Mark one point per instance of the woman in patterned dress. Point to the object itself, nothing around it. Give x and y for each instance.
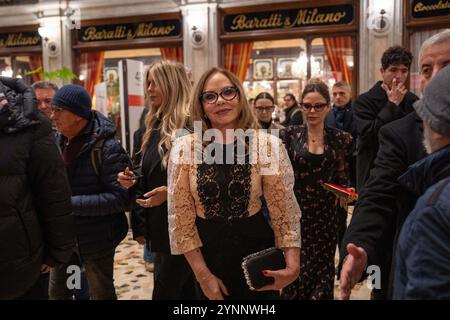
(318, 155)
(215, 214)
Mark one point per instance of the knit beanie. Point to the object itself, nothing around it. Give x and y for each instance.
(73, 98)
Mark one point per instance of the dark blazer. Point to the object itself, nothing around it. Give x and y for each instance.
(36, 221)
(293, 116)
(152, 223)
(373, 110)
(349, 123)
(383, 204)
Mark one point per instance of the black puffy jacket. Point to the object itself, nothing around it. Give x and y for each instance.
(36, 221)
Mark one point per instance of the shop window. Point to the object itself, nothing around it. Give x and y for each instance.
(20, 67)
(416, 40)
(278, 67)
(103, 66)
(284, 66)
(332, 59)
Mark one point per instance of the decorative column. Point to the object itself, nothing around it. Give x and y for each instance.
(380, 27)
(200, 41)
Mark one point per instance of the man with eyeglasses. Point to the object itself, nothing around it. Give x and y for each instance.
(98, 200)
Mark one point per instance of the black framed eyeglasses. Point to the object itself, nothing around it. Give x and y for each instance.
(56, 109)
(317, 107)
(264, 109)
(227, 93)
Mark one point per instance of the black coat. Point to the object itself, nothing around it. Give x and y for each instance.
(293, 116)
(383, 204)
(372, 110)
(152, 223)
(349, 122)
(36, 221)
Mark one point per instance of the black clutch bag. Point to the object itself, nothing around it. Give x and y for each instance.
(254, 264)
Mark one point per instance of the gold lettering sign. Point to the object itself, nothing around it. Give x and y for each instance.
(441, 5)
(127, 32)
(19, 40)
(292, 18)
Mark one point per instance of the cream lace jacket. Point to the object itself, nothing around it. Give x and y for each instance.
(192, 185)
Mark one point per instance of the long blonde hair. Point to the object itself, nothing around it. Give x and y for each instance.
(247, 118)
(173, 82)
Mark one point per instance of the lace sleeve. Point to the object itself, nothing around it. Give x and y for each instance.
(181, 206)
(278, 190)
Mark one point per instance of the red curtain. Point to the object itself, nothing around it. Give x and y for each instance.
(172, 53)
(337, 48)
(92, 68)
(237, 57)
(35, 62)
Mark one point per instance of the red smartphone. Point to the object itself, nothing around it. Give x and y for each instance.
(341, 191)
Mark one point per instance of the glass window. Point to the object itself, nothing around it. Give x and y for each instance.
(22, 67)
(284, 66)
(332, 59)
(278, 67)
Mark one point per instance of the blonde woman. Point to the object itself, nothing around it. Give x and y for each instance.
(168, 93)
(215, 214)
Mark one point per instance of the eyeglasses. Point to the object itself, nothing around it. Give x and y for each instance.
(264, 109)
(227, 94)
(56, 109)
(317, 107)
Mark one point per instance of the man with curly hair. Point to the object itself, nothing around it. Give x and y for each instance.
(386, 101)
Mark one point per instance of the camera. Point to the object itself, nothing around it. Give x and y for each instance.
(53, 48)
(198, 37)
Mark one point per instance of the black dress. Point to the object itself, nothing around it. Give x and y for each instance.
(217, 207)
(320, 209)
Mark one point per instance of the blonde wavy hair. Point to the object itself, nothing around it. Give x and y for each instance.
(247, 118)
(175, 87)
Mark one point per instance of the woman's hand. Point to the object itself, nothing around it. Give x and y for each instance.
(282, 278)
(154, 198)
(126, 178)
(285, 276)
(212, 287)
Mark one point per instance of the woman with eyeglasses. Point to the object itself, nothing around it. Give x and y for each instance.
(215, 217)
(264, 106)
(168, 92)
(318, 155)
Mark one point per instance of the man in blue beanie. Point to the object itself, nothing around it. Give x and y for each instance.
(93, 158)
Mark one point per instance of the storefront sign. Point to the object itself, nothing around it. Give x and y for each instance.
(20, 39)
(289, 19)
(143, 30)
(430, 8)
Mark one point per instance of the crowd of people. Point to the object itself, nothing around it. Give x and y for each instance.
(215, 178)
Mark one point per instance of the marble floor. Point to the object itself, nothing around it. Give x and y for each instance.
(131, 279)
(134, 282)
